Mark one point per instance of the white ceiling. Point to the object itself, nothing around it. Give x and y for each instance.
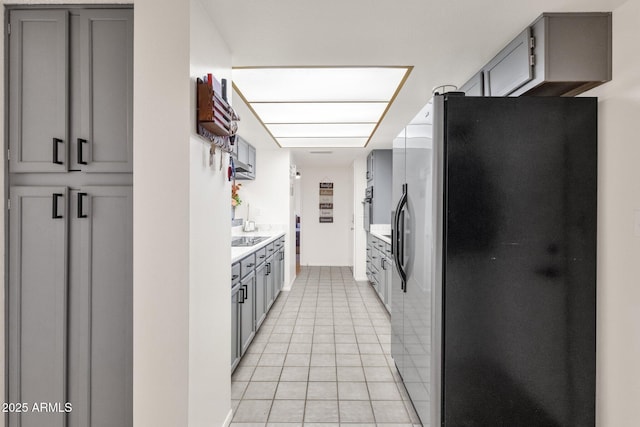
(446, 41)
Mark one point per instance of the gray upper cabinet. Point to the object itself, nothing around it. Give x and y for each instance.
(245, 155)
(78, 114)
(511, 68)
(573, 53)
(101, 297)
(37, 301)
(38, 90)
(559, 54)
(106, 74)
(475, 85)
(379, 173)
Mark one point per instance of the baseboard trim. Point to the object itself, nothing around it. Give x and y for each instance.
(227, 421)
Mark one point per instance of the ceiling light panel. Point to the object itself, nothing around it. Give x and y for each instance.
(322, 142)
(334, 130)
(318, 84)
(324, 112)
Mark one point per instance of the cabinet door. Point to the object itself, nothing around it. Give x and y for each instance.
(235, 320)
(247, 321)
(261, 294)
(251, 161)
(475, 85)
(281, 281)
(101, 307)
(269, 283)
(38, 87)
(243, 150)
(37, 296)
(511, 68)
(106, 72)
(370, 167)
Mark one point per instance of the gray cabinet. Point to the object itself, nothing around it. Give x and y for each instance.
(78, 114)
(38, 285)
(511, 68)
(256, 281)
(70, 250)
(70, 301)
(38, 90)
(245, 156)
(269, 283)
(280, 255)
(247, 310)
(475, 85)
(559, 54)
(101, 306)
(261, 294)
(379, 174)
(235, 322)
(379, 268)
(105, 140)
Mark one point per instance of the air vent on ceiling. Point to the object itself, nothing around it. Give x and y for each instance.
(320, 152)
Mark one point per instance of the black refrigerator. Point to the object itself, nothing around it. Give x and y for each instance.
(493, 310)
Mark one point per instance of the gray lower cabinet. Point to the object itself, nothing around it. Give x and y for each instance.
(38, 286)
(83, 103)
(261, 294)
(256, 282)
(247, 311)
(379, 265)
(235, 322)
(269, 282)
(70, 303)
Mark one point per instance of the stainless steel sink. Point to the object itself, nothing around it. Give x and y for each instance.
(247, 240)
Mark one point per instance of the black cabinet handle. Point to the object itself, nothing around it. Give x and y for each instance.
(56, 141)
(268, 268)
(246, 293)
(234, 277)
(80, 142)
(54, 205)
(80, 209)
(241, 292)
(250, 265)
(262, 256)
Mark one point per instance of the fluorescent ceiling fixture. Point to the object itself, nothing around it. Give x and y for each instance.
(320, 112)
(321, 142)
(318, 84)
(321, 130)
(315, 103)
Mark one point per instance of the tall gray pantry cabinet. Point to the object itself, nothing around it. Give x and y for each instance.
(70, 221)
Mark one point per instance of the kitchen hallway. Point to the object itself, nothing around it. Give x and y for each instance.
(322, 356)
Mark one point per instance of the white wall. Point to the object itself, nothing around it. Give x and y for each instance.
(210, 242)
(270, 200)
(618, 248)
(326, 244)
(359, 168)
(162, 122)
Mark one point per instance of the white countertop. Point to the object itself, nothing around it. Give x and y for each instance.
(382, 237)
(240, 252)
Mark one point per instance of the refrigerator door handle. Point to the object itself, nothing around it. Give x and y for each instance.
(398, 241)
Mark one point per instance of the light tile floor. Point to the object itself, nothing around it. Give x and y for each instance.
(322, 357)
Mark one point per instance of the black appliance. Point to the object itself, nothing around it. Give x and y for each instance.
(494, 238)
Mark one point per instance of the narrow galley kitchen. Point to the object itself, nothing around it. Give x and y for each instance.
(322, 356)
